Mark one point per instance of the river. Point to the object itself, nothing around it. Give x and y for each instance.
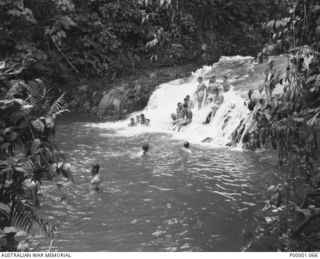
(170, 200)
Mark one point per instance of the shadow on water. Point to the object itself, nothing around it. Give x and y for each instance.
(168, 201)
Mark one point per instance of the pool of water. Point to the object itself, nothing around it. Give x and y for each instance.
(168, 201)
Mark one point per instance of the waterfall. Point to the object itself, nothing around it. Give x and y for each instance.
(243, 74)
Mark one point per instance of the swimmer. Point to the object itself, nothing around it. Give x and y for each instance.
(142, 119)
(186, 147)
(144, 151)
(132, 123)
(95, 178)
(147, 122)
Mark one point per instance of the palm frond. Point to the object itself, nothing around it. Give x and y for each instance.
(24, 218)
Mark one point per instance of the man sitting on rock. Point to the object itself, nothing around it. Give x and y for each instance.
(187, 118)
(217, 100)
(178, 116)
(212, 88)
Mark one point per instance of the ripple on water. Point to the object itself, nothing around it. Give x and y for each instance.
(170, 201)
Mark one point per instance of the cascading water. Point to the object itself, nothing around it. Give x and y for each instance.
(243, 74)
(170, 200)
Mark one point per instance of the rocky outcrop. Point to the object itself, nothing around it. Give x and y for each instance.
(114, 101)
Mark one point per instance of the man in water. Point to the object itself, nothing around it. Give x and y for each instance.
(201, 91)
(226, 85)
(145, 149)
(132, 123)
(95, 178)
(147, 122)
(137, 119)
(142, 119)
(186, 147)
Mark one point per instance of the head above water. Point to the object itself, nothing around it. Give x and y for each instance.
(179, 105)
(95, 169)
(145, 147)
(186, 144)
(188, 97)
(132, 119)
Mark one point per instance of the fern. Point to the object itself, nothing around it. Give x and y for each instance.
(58, 107)
(24, 218)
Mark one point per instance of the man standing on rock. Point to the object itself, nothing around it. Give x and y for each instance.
(201, 91)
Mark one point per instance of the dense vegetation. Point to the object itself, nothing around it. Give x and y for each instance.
(61, 41)
(289, 124)
(113, 37)
(27, 155)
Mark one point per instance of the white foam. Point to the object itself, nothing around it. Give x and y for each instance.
(164, 100)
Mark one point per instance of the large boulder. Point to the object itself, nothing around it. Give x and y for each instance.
(123, 100)
(112, 104)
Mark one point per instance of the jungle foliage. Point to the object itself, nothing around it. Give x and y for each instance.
(72, 38)
(289, 124)
(27, 154)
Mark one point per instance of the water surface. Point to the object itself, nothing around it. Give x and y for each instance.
(168, 201)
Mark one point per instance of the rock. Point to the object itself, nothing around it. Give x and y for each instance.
(112, 104)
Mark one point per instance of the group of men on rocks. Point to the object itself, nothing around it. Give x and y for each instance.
(204, 95)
